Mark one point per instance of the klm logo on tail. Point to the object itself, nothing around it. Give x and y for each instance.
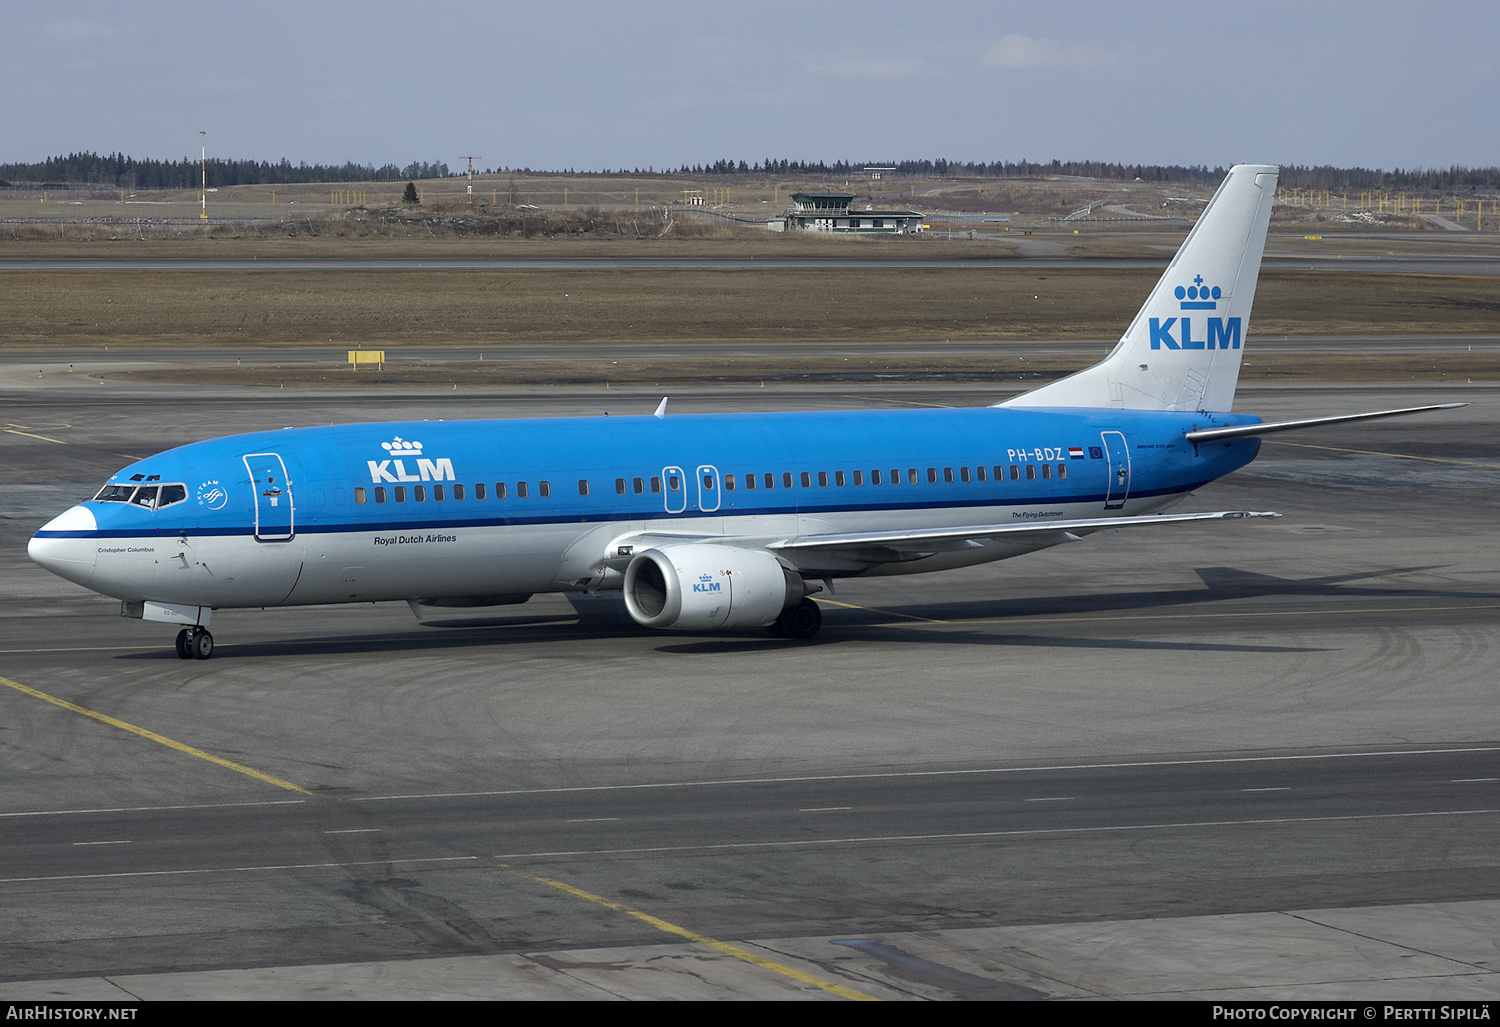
(1222, 332)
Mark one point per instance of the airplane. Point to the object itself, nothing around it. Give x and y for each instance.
(706, 522)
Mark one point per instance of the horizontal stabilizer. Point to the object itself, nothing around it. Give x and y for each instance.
(923, 537)
(1268, 427)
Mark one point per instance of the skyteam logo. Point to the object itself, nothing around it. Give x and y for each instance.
(705, 583)
(212, 495)
(1222, 332)
(402, 450)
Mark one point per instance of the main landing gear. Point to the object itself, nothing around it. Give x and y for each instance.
(800, 622)
(195, 644)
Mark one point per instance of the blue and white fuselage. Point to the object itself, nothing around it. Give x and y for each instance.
(704, 521)
(514, 507)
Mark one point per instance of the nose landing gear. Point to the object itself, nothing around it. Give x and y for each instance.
(195, 644)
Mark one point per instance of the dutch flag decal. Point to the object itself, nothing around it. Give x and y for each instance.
(1075, 452)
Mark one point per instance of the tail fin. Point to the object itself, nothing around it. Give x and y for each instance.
(1182, 351)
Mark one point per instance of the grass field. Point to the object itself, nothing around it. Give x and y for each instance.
(78, 310)
(74, 312)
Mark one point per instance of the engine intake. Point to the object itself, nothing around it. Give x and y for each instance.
(700, 586)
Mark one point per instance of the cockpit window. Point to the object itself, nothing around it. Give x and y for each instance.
(152, 497)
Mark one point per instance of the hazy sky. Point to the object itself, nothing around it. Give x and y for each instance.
(594, 84)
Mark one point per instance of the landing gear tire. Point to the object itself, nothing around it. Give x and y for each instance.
(801, 621)
(202, 644)
(184, 642)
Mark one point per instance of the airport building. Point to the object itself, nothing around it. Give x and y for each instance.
(832, 212)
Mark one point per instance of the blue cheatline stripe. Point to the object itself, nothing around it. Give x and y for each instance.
(313, 527)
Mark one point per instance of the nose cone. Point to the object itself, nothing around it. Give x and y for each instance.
(67, 545)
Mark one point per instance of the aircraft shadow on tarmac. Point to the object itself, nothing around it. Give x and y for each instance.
(861, 624)
(1220, 584)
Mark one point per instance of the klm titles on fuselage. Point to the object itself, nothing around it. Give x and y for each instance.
(440, 469)
(1220, 332)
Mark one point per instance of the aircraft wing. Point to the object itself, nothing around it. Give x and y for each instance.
(966, 536)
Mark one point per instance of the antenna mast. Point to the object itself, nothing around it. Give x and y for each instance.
(203, 188)
(472, 158)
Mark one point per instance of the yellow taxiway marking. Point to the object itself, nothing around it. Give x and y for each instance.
(1376, 452)
(694, 936)
(153, 736)
(29, 435)
(888, 613)
(1170, 616)
(901, 402)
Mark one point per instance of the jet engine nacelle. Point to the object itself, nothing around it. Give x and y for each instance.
(701, 586)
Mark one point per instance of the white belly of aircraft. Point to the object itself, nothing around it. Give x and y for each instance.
(365, 566)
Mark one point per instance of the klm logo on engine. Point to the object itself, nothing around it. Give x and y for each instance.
(401, 451)
(1219, 332)
(705, 583)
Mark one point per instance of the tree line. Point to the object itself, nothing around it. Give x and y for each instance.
(124, 172)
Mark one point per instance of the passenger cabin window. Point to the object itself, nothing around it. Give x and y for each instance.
(786, 479)
(620, 486)
(749, 480)
(822, 479)
(838, 478)
(359, 495)
(1062, 470)
(1031, 472)
(544, 488)
(521, 490)
(458, 492)
(439, 494)
(963, 474)
(1047, 471)
(911, 475)
(1015, 473)
(638, 486)
(583, 486)
(419, 493)
(728, 483)
(500, 490)
(874, 477)
(806, 480)
(380, 493)
(948, 475)
(400, 491)
(479, 490)
(655, 485)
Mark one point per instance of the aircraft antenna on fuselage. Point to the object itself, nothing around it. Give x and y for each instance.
(661, 408)
(1182, 351)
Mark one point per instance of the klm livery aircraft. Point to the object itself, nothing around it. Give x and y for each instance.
(706, 522)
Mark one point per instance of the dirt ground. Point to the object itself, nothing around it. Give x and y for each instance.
(78, 310)
(1299, 367)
